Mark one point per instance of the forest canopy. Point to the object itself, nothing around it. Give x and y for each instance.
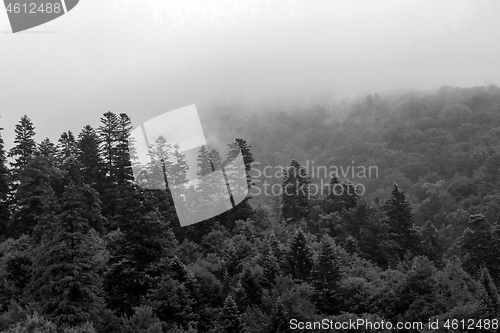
(84, 248)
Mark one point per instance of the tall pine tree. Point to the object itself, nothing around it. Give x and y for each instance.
(4, 191)
(47, 149)
(405, 235)
(295, 193)
(108, 132)
(299, 259)
(67, 147)
(35, 197)
(326, 276)
(479, 246)
(24, 148)
(88, 156)
(68, 263)
(123, 163)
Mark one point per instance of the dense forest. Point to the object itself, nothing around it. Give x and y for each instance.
(85, 249)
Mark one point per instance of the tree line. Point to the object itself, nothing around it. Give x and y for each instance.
(85, 248)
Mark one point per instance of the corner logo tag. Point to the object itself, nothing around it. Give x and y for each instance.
(26, 14)
(167, 151)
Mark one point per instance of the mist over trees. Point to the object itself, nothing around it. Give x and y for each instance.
(85, 248)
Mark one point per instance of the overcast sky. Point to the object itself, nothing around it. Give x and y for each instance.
(148, 57)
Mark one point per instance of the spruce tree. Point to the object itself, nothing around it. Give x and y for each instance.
(479, 246)
(341, 196)
(242, 158)
(211, 185)
(326, 275)
(160, 153)
(491, 299)
(136, 255)
(296, 193)
(419, 291)
(47, 149)
(88, 156)
(299, 258)
(230, 317)
(270, 267)
(15, 271)
(177, 270)
(108, 132)
(178, 170)
(204, 165)
(67, 265)
(24, 148)
(235, 148)
(431, 246)
(398, 211)
(113, 135)
(123, 162)
(143, 321)
(251, 286)
(35, 197)
(279, 318)
(4, 191)
(66, 147)
(210, 197)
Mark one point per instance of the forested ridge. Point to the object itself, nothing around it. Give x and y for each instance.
(83, 248)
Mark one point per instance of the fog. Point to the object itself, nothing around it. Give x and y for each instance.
(145, 58)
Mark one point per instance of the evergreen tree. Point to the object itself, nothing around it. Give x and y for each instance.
(398, 211)
(279, 319)
(271, 269)
(210, 198)
(136, 256)
(230, 317)
(491, 299)
(116, 169)
(211, 186)
(67, 147)
(88, 156)
(4, 191)
(204, 162)
(108, 133)
(299, 258)
(35, 197)
(67, 265)
(239, 168)
(178, 170)
(326, 275)
(235, 148)
(295, 189)
(24, 148)
(251, 286)
(15, 271)
(178, 270)
(160, 153)
(90, 199)
(479, 246)
(123, 162)
(172, 302)
(47, 149)
(143, 321)
(430, 243)
(341, 196)
(418, 296)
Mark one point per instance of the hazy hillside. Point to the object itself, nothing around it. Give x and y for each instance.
(85, 249)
